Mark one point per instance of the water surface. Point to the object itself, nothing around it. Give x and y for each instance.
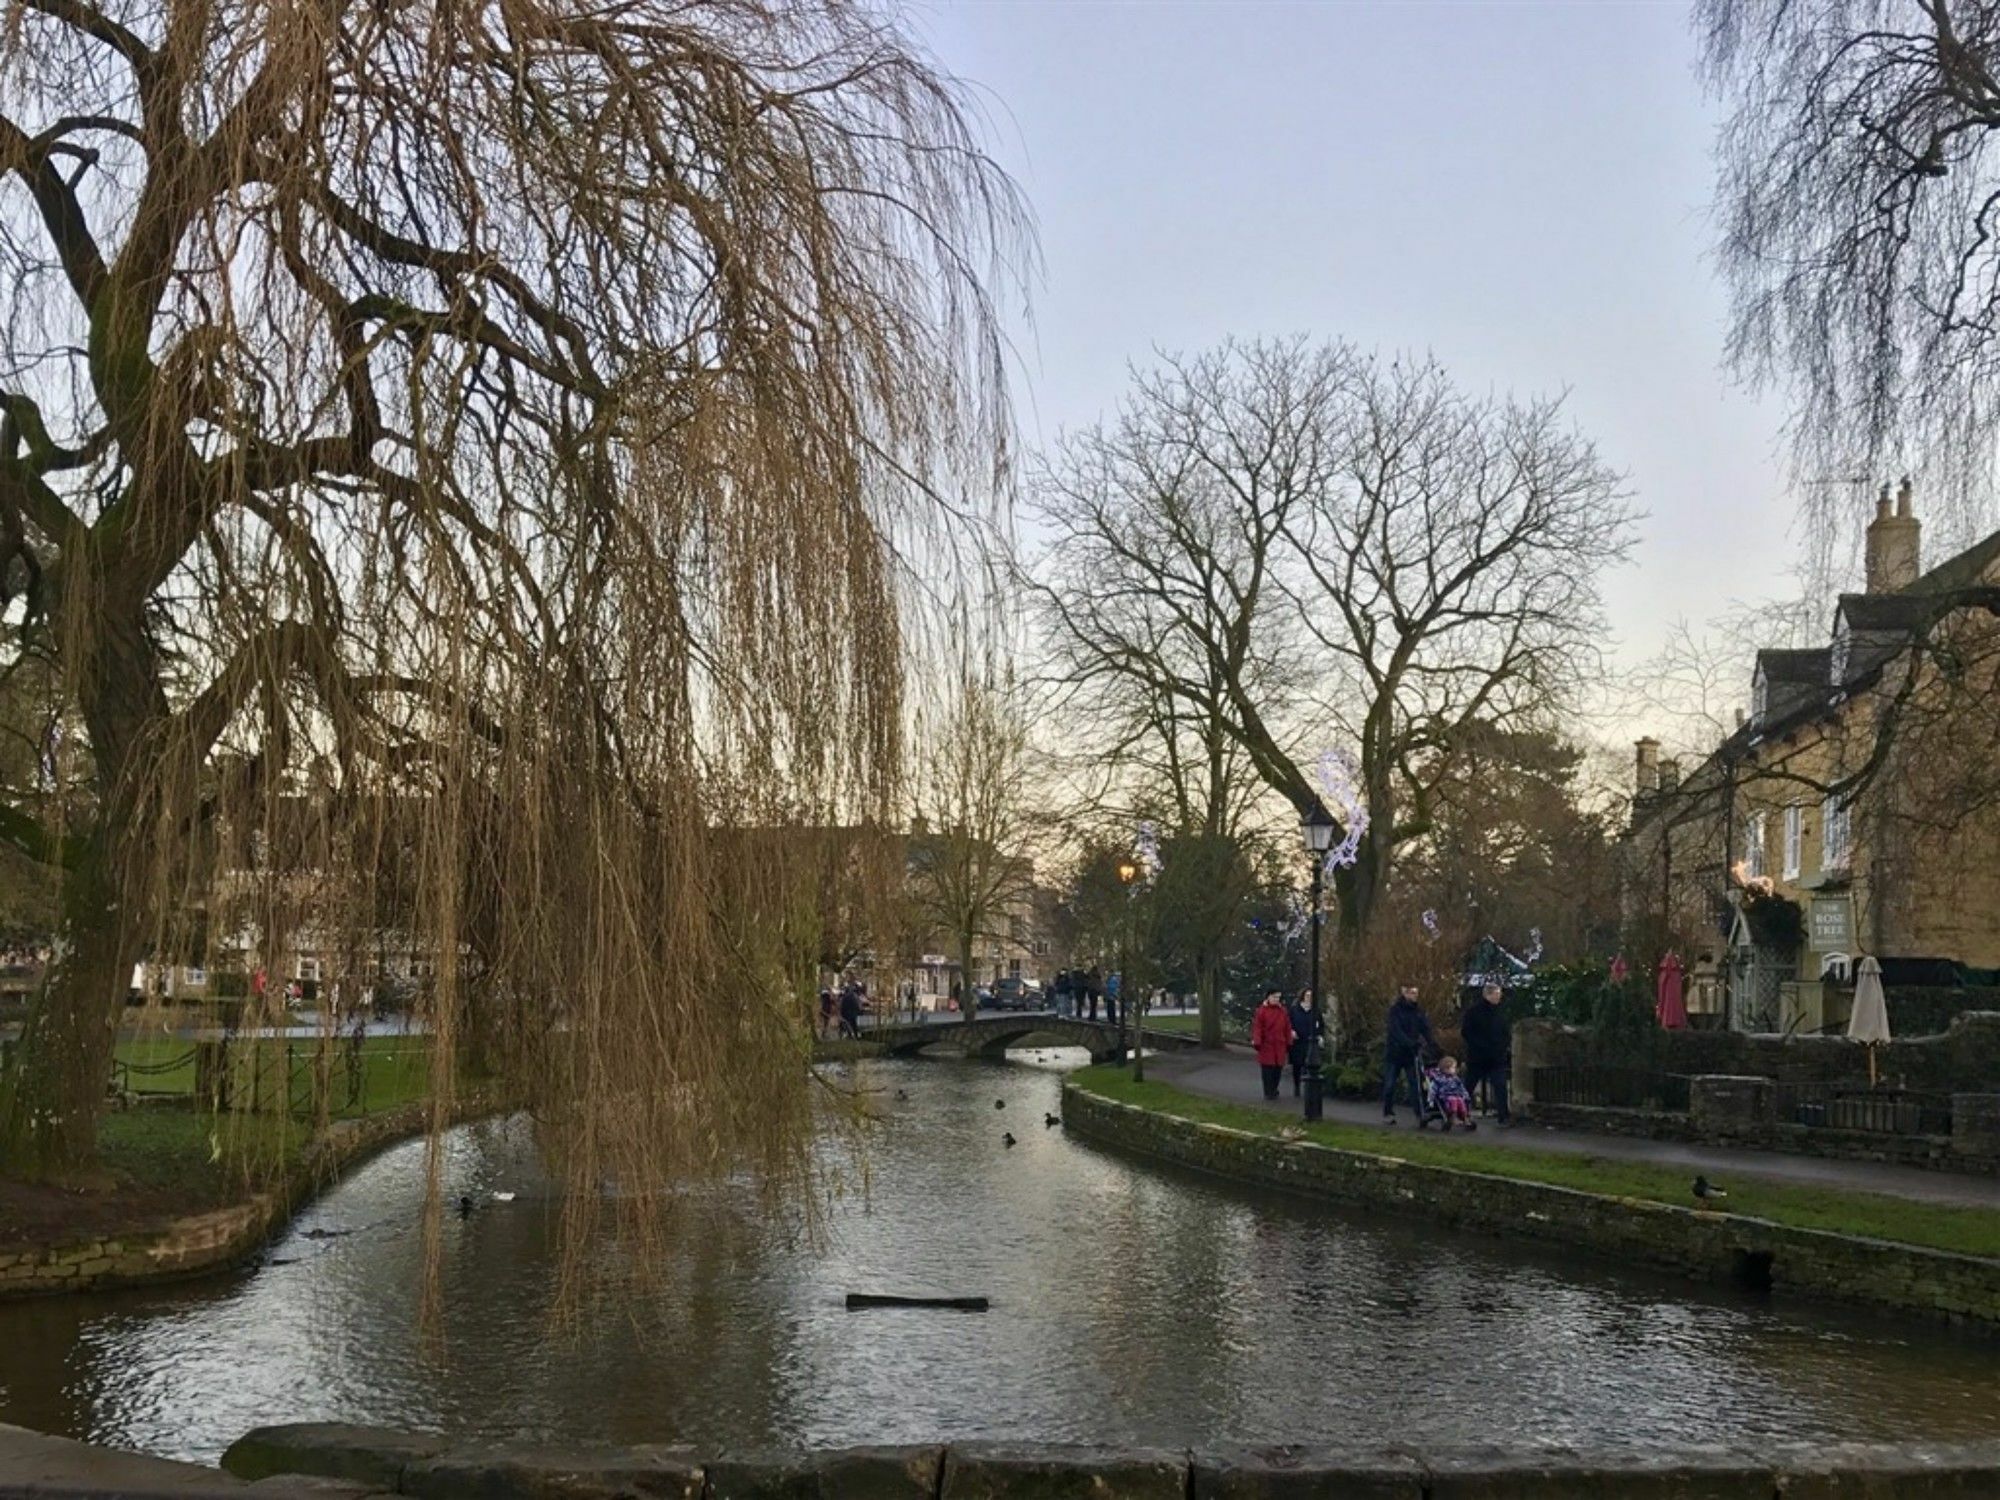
(1130, 1305)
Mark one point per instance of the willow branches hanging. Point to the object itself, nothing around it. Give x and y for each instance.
(449, 461)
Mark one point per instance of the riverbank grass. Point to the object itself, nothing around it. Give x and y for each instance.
(163, 1158)
(1965, 1231)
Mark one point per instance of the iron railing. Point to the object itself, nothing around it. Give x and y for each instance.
(1612, 1088)
(1849, 1106)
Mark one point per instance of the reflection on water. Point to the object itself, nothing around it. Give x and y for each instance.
(1130, 1305)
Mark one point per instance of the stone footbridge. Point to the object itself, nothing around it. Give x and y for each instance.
(991, 1033)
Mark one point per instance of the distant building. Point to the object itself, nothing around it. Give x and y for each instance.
(1773, 882)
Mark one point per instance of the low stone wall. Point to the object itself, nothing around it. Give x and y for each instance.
(364, 1460)
(329, 1461)
(1698, 1242)
(1935, 1152)
(210, 1241)
(1646, 1124)
(1963, 1059)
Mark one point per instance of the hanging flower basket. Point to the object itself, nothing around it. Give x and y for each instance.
(1774, 921)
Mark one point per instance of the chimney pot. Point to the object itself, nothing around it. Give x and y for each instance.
(1670, 775)
(1895, 543)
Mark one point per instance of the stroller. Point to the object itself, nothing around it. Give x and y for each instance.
(1445, 1097)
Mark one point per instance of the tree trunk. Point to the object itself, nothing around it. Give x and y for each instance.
(1208, 988)
(52, 1094)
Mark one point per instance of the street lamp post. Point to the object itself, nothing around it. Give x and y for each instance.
(1128, 872)
(1319, 828)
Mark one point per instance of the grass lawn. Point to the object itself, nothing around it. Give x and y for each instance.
(395, 1070)
(166, 1159)
(1190, 1025)
(1968, 1231)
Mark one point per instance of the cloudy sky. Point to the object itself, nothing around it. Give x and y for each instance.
(1520, 188)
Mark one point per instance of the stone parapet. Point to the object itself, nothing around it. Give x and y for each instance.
(1042, 1471)
(332, 1462)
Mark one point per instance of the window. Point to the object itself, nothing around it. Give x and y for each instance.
(1760, 694)
(1837, 656)
(1836, 835)
(308, 970)
(1795, 840)
(1753, 846)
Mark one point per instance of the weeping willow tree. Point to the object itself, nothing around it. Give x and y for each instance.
(461, 461)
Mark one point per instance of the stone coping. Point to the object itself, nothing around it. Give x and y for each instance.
(338, 1460)
(1711, 1246)
(212, 1240)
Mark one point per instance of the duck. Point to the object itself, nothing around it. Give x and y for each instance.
(1007, 1139)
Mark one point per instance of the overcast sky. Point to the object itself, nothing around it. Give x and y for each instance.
(1520, 188)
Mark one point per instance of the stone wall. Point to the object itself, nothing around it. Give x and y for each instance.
(369, 1461)
(218, 1238)
(1698, 1242)
(1731, 1099)
(1963, 1059)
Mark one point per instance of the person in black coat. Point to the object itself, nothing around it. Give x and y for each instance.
(1307, 1033)
(1489, 1048)
(1405, 1036)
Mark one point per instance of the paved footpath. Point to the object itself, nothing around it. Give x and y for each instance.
(1232, 1075)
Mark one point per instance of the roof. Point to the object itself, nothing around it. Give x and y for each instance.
(1869, 614)
(1807, 667)
(1967, 569)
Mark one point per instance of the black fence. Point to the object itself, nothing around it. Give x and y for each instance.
(1849, 1106)
(1612, 1088)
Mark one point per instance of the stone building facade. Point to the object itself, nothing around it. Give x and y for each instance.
(1854, 810)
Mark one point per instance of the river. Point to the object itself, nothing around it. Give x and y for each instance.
(1130, 1305)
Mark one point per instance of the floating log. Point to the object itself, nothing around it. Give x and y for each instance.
(856, 1300)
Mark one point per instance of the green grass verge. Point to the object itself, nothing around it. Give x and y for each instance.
(395, 1070)
(1191, 1025)
(1968, 1231)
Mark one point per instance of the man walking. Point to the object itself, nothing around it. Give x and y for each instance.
(1406, 1034)
(1489, 1048)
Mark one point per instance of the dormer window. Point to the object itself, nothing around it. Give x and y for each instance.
(1760, 695)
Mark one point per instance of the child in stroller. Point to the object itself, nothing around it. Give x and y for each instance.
(1445, 1094)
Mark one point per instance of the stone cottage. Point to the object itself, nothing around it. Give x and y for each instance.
(1855, 808)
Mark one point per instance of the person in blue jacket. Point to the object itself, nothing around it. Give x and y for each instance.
(1406, 1035)
(1307, 1033)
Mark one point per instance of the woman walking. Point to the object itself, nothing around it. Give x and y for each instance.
(1307, 1033)
(1271, 1036)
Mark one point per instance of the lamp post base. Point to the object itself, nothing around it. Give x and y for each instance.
(1315, 1091)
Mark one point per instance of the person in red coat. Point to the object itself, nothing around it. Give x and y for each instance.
(1271, 1036)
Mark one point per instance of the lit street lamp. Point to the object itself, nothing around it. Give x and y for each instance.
(1319, 830)
(1128, 872)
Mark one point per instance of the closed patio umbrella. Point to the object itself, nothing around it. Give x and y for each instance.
(1671, 1006)
(1869, 1023)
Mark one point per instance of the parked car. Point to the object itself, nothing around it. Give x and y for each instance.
(1013, 993)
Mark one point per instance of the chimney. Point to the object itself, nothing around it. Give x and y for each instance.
(1670, 776)
(1895, 542)
(1646, 765)
(1741, 718)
